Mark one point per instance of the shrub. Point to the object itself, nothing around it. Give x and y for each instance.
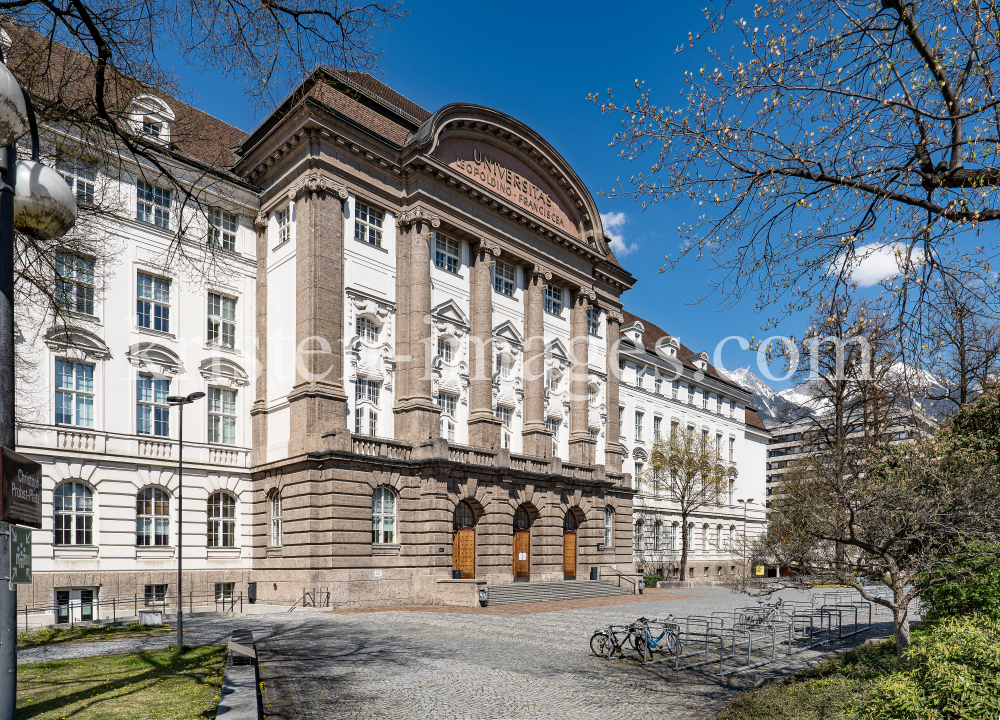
(951, 671)
(977, 593)
(651, 580)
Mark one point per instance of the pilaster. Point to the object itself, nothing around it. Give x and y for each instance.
(612, 449)
(258, 413)
(317, 401)
(484, 427)
(537, 439)
(581, 445)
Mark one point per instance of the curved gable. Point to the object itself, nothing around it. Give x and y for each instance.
(69, 338)
(153, 356)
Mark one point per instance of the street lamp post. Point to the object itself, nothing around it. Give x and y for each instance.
(744, 503)
(35, 200)
(180, 401)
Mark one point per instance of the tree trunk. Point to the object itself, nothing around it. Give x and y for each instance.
(684, 549)
(901, 621)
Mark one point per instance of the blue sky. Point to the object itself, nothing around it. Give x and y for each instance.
(538, 62)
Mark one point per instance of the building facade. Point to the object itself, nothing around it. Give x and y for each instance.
(667, 388)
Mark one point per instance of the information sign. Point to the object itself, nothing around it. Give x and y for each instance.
(760, 571)
(20, 555)
(22, 490)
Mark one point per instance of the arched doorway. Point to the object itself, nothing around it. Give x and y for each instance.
(522, 544)
(570, 525)
(463, 548)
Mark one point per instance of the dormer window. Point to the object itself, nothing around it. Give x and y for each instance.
(151, 117)
(151, 127)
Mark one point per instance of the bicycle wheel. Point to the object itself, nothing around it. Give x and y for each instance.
(600, 644)
(669, 645)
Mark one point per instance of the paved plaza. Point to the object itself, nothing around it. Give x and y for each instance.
(509, 662)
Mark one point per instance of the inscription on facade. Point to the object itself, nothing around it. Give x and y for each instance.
(505, 175)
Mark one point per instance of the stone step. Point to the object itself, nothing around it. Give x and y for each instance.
(529, 592)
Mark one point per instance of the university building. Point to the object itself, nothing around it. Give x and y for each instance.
(409, 341)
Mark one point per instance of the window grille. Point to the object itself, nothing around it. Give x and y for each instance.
(445, 350)
(609, 523)
(284, 218)
(504, 414)
(505, 365)
(81, 176)
(367, 330)
(638, 426)
(276, 529)
(447, 403)
(593, 322)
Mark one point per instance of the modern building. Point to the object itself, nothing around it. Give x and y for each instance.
(667, 388)
(409, 342)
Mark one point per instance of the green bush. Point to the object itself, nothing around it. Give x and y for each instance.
(651, 580)
(950, 672)
(977, 593)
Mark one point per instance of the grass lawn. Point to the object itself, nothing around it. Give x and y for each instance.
(833, 690)
(155, 685)
(34, 638)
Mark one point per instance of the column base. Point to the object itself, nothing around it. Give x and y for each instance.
(485, 431)
(314, 409)
(537, 442)
(417, 420)
(613, 458)
(582, 450)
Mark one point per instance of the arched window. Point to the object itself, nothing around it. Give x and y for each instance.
(73, 505)
(657, 531)
(704, 538)
(522, 521)
(152, 517)
(221, 520)
(718, 538)
(276, 519)
(367, 330)
(732, 536)
(673, 537)
(383, 516)
(690, 537)
(569, 522)
(637, 536)
(505, 366)
(464, 516)
(552, 381)
(609, 527)
(732, 488)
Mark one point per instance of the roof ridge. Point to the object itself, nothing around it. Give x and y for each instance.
(342, 75)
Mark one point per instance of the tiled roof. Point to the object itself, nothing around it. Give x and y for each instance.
(380, 124)
(753, 419)
(651, 333)
(61, 81)
(385, 93)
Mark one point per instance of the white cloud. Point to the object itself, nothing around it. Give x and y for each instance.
(613, 222)
(876, 262)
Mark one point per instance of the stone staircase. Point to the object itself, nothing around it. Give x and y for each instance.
(531, 592)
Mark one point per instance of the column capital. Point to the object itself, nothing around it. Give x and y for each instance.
(417, 215)
(260, 222)
(314, 182)
(586, 292)
(488, 246)
(614, 314)
(537, 269)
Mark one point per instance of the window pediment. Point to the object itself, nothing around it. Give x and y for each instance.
(83, 341)
(220, 370)
(154, 357)
(450, 312)
(506, 331)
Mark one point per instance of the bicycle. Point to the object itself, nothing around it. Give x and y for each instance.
(646, 643)
(764, 615)
(609, 642)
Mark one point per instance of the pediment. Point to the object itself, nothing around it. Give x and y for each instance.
(507, 331)
(450, 311)
(153, 356)
(221, 369)
(555, 349)
(84, 341)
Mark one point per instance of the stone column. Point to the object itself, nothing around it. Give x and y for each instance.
(417, 417)
(537, 438)
(581, 445)
(318, 403)
(484, 427)
(612, 450)
(258, 413)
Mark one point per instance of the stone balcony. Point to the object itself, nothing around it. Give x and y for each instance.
(342, 441)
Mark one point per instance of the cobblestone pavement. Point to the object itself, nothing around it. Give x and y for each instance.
(405, 664)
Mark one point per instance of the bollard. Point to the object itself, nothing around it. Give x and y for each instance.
(456, 574)
(593, 573)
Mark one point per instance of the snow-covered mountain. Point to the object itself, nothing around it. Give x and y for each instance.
(770, 404)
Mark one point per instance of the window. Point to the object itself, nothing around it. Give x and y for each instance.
(152, 517)
(718, 446)
(221, 520)
(638, 476)
(594, 432)
(276, 519)
(673, 391)
(447, 254)
(80, 175)
(637, 536)
(718, 540)
(151, 127)
(639, 373)
(704, 538)
(154, 595)
(732, 449)
(552, 425)
(73, 506)
(638, 426)
(673, 537)
(221, 416)
(152, 302)
(366, 418)
(621, 422)
(718, 404)
(284, 219)
(657, 531)
(657, 422)
(221, 320)
(552, 381)
(152, 415)
(674, 427)
(505, 365)
(367, 330)
(75, 283)
(658, 384)
(222, 227)
(383, 516)
(224, 592)
(504, 278)
(592, 395)
(74, 393)
(704, 400)
(152, 205)
(447, 403)
(445, 350)
(368, 224)
(732, 408)
(690, 394)
(553, 299)
(503, 413)
(609, 527)
(593, 322)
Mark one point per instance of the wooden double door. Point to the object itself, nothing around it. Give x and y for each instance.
(569, 556)
(463, 552)
(522, 555)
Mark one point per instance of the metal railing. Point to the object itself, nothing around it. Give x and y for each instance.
(603, 570)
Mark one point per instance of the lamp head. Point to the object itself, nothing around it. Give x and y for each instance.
(184, 400)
